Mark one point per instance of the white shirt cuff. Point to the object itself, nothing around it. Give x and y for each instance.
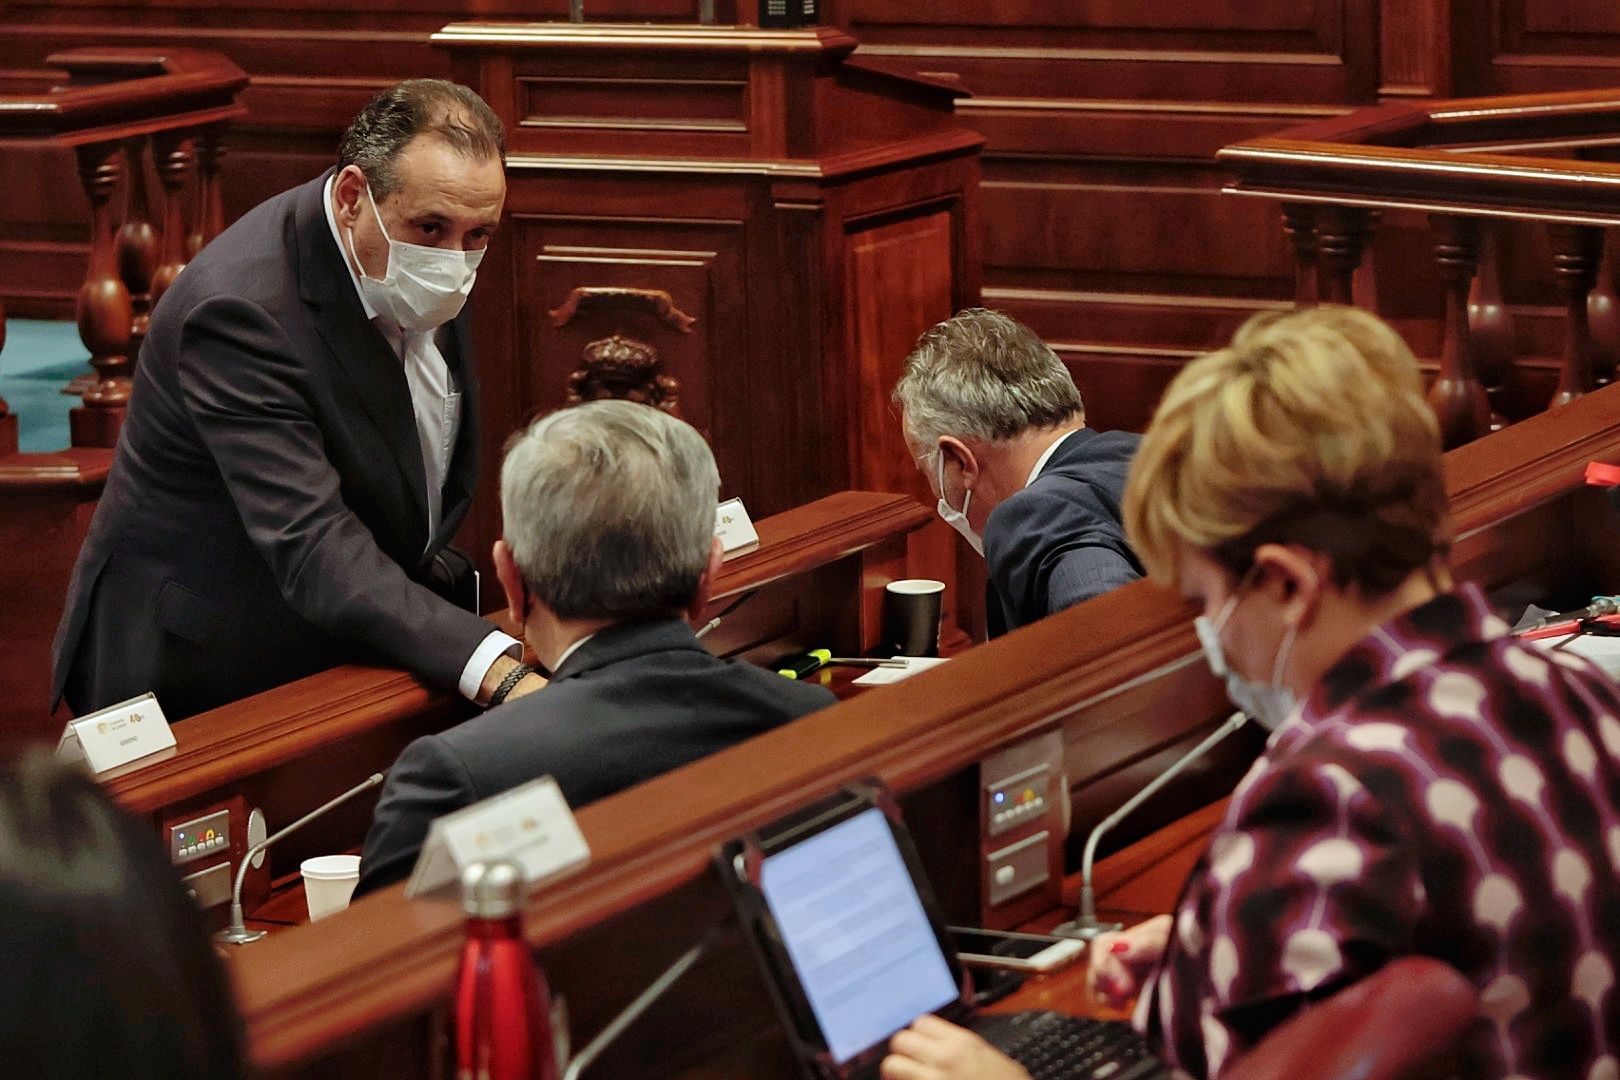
(498, 644)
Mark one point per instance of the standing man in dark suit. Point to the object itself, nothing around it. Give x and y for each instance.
(993, 419)
(301, 442)
(608, 556)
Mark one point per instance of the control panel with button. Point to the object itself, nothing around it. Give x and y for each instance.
(1016, 800)
(200, 837)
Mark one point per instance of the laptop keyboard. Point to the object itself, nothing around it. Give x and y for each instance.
(1054, 1046)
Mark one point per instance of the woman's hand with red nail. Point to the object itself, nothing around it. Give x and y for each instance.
(1120, 961)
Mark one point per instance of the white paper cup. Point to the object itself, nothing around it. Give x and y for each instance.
(328, 883)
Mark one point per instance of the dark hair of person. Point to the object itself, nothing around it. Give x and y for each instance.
(443, 110)
(106, 967)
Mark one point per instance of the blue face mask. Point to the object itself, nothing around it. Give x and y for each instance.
(1267, 704)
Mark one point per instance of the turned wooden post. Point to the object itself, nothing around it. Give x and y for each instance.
(1603, 318)
(8, 420)
(1577, 250)
(1299, 222)
(1491, 336)
(209, 219)
(104, 310)
(174, 160)
(137, 245)
(1458, 397)
(1342, 233)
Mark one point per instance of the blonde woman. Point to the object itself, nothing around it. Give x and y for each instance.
(1433, 787)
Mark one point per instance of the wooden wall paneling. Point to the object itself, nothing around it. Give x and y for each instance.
(40, 530)
(897, 284)
(701, 267)
(1100, 197)
(1415, 48)
(1542, 45)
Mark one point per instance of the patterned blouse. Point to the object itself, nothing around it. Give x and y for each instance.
(1446, 791)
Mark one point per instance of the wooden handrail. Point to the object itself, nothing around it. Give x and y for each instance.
(120, 93)
(109, 106)
(1464, 162)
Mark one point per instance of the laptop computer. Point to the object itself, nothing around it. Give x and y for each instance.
(854, 948)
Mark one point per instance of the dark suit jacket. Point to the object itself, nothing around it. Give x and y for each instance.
(636, 700)
(266, 513)
(1060, 541)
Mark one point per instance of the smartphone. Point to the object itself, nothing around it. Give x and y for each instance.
(1015, 952)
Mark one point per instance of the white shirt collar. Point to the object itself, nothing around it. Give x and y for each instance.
(566, 653)
(343, 248)
(1040, 462)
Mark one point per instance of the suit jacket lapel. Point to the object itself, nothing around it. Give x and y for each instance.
(357, 345)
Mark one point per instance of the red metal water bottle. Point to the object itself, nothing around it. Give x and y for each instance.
(503, 1021)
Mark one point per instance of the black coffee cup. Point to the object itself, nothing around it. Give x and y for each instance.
(911, 610)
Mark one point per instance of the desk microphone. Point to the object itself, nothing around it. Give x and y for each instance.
(1085, 925)
(238, 933)
(703, 630)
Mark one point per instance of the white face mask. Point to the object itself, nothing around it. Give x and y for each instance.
(423, 287)
(1267, 704)
(957, 519)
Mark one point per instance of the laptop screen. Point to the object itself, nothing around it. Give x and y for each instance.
(855, 929)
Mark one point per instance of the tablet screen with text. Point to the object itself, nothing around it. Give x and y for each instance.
(860, 942)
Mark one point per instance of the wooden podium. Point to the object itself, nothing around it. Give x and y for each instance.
(746, 226)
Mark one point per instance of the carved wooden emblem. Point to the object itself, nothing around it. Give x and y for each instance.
(626, 369)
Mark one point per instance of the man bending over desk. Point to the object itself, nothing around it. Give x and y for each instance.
(609, 551)
(994, 420)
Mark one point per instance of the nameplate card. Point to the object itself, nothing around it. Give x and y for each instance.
(530, 825)
(733, 526)
(117, 735)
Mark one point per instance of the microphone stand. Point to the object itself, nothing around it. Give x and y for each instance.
(238, 933)
(1085, 925)
(643, 1001)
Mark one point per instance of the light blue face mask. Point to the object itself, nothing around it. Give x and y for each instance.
(1267, 704)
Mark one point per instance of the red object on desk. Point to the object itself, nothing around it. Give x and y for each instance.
(1600, 475)
(1568, 627)
(503, 1013)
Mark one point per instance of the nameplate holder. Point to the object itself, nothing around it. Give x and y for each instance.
(117, 735)
(531, 825)
(734, 527)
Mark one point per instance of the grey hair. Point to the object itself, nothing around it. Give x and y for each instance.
(610, 510)
(444, 110)
(983, 375)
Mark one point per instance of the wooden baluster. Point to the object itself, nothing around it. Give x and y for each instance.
(8, 420)
(1458, 396)
(1603, 318)
(1342, 233)
(174, 161)
(137, 245)
(1577, 251)
(210, 209)
(1490, 324)
(104, 309)
(1299, 222)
